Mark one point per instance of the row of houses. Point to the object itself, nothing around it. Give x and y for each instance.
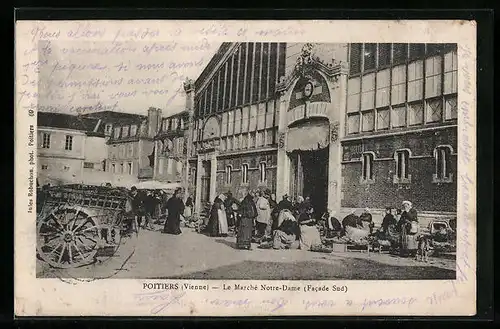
(108, 147)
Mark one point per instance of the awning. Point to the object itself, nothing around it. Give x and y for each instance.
(308, 136)
(156, 185)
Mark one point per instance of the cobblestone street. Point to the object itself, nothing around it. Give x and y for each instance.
(195, 256)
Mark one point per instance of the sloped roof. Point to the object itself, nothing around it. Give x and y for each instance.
(91, 126)
(116, 117)
(216, 58)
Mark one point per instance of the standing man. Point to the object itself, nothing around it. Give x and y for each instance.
(175, 207)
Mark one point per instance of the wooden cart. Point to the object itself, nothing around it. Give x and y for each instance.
(78, 223)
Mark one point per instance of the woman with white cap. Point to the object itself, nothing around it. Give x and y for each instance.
(409, 229)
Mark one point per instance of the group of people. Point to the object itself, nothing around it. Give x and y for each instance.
(155, 204)
(259, 218)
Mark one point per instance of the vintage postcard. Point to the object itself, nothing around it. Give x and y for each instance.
(239, 168)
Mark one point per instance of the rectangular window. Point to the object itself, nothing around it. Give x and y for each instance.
(415, 81)
(270, 136)
(220, 89)
(244, 174)
(353, 124)
(401, 158)
(450, 72)
(261, 116)
(368, 118)
(45, 141)
(398, 117)
(229, 170)
(417, 51)
(236, 142)
(369, 56)
(230, 123)
(108, 129)
(270, 114)
(234, 80)
(68, 145)
(262, 172)
(193, 176)
(415, 113)
(273, 68)
(368, 91)
(353, 94)
(130, 168)
(383, 119)
(251, 140)
(355, 58)
(383, 88)
(434, 49)
(249, 68)
(223, 144)
(125, 131)
(227, 92)
(117, 133)
(122, 168)
(433, 76)
(442, 155)
(256, 68)
(398, 85)
(399, 53)
(434, 109)
(88, 165)
(265, 67)
(253, 118)
(130, 150)
(244, 120)
(450, 108)
(133, 130)
(237, 121)
(241, 75)
(244, 141)
(230, 144)
(260, 139)
(384, 54)
(224, 124)
(367, 167)
(113, 168)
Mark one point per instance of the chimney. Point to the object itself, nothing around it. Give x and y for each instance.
(189, 89)
(153, 120)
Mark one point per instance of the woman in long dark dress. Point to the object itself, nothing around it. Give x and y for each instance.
(217, 217)
(245, 225)
(175, 207)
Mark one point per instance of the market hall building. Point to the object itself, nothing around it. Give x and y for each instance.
(350, 125)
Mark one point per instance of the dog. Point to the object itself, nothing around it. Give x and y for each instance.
(423, 248)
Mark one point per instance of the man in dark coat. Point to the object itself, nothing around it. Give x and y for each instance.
(245, 226)
(228, 205)
(175, 207)
(388, 220)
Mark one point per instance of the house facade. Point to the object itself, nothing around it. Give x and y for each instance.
(62, 143)
(130, 144)
(350, 125)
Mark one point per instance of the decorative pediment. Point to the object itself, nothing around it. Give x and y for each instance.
(307, 63)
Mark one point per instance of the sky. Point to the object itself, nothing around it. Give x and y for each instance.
(83, 76)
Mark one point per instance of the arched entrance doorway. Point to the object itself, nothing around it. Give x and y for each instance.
(308, 153)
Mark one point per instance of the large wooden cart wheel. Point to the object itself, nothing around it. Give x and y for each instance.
(68, 237)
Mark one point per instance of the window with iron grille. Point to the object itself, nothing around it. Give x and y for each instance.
(434, 109)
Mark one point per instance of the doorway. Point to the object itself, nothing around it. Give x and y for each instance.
(310, 177)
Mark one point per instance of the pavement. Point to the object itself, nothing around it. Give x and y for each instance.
(154, 255)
